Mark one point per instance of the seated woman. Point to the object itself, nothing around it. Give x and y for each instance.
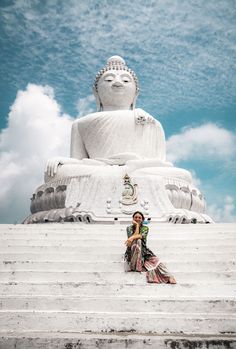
(140, 258)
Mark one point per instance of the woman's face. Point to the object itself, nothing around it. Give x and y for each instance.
(138, 218)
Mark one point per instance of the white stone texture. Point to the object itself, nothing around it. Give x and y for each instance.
(117, 140)
(64, 284)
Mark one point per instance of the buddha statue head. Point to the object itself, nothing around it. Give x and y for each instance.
(116, 86)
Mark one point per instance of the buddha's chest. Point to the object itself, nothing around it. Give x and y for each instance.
(108, 126)
(109, 133)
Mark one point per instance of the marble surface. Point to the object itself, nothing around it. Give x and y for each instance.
(116, 141)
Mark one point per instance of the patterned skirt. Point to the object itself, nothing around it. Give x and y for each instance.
(139, 258)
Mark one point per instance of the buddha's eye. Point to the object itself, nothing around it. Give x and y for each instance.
(126, 80)
(109, 78)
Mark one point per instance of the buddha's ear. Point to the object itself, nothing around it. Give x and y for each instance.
(132, 107)
(98, 102)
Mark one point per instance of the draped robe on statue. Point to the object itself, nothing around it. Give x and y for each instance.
(119, 133)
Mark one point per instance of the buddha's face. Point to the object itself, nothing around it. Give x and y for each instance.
(116, 90)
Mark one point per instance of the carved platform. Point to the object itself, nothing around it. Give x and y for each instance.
(98, 198)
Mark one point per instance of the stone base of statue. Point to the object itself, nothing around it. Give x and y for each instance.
(113, 193)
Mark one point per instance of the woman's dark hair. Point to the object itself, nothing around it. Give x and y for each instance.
(141, 214)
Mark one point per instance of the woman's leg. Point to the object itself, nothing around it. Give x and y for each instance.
(157, 272)
(136, 256)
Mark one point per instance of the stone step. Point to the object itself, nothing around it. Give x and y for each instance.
(184, 231)
(63, 257)
(85, 289)
(115, 340)
(119, 248)
(76, 225)
(55, 288)
(98, 255)
(61, 276)
(117, 304)
(113, 277)
(121, 234)
(155, 322)
(110, 242)
(82, 265)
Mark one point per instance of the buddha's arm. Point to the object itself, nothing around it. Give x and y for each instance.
(77, 152)
(77, 148)
(161, 143)
(143, 118)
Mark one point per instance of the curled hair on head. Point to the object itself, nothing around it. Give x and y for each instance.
(141, 214)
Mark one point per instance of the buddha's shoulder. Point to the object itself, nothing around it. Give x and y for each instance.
(103, 115)
(128, 115)
(148, 117)
(86, 118)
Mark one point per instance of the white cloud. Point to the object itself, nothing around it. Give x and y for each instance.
(208, 140)
(86, 105)
(225, 214)
(196, 180)
(36, 131)
(182, 50)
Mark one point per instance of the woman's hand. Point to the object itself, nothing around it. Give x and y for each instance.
(135, 223)
(129, 242)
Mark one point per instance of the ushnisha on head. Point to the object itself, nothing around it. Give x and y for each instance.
(116, 86)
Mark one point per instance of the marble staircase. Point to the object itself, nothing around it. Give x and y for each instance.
(64, 286)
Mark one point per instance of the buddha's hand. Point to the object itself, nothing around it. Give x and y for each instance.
(53, 163)
(142, 117)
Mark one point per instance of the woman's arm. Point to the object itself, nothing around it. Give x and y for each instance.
(135, 236)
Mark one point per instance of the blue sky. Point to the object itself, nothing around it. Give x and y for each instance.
(183, 53)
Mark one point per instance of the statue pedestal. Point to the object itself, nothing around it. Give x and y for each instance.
(113, 195)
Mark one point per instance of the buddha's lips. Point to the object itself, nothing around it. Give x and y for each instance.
(118, 88)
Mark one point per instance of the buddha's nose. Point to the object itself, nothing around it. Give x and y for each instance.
(117, 83)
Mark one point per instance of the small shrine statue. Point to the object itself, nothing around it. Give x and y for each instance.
(106, 145)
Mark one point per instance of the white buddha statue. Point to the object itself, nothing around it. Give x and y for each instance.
(115, 134)
(117, 142)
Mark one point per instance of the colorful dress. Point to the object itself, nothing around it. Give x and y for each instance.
(140, 258)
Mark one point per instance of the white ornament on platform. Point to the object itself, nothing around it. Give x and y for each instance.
(117, 164)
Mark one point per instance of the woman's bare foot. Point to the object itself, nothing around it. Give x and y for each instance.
(172, 281)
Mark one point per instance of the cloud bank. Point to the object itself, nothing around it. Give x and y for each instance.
(208, 143)
(37, 130)
(204, 141)
(225, 212)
